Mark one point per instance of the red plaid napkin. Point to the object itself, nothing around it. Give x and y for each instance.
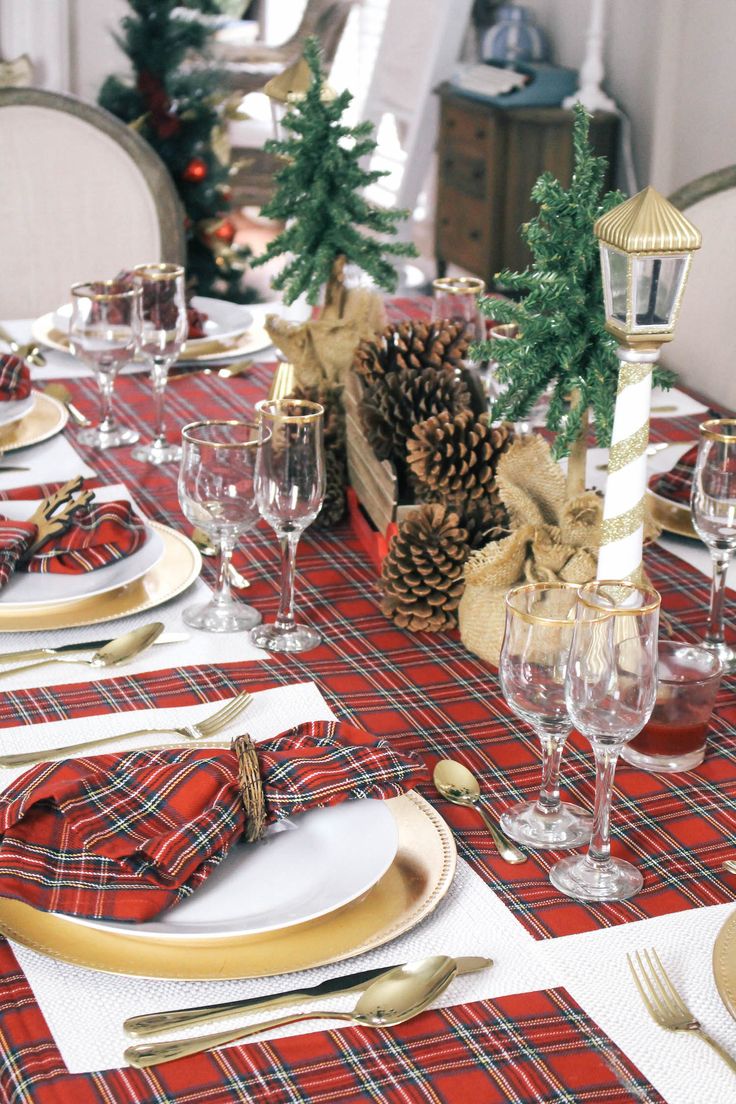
(677, 483)
(125, 836)
(99, 535)
(15, 378)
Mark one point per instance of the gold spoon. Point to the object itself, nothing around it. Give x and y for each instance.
(729, 865)
(64, 395)
(455, 782)
(29, 351)
(207, 548)
(227, 371)
(391, 999)
(120, 650)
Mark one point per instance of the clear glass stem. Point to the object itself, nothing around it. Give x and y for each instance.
(105, 383)
(285, 617)
(606, 758)
(714, 633)
(159, 375)
(223, 595)
(553, 744)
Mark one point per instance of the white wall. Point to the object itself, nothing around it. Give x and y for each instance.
(670, 66)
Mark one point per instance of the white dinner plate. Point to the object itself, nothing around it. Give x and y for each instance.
(224, 320)
(27, 590)
(15, 409)
(319, 862)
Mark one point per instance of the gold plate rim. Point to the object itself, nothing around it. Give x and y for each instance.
(135, 597)
(44, 407)
(411, 889)
(672, 517)
(724, 971)
(254, 340)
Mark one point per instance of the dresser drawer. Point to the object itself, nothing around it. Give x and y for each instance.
(463, 173)
(465, 125)
(464, 230)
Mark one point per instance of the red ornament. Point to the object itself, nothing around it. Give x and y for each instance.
(225, 232)
(195, 171)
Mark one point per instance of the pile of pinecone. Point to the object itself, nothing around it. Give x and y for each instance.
(420, 411)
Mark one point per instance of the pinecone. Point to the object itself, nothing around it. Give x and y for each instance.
(453, 456)
(393, 404)
(411, 346)
(336, 470)
(486, 520)
(422, 575)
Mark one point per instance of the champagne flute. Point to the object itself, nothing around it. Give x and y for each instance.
(611, 688)
(163, 333)
(104, 332)
(290, 486)
(714, 518)
(540, 619)
(217, 494)
(456, 298)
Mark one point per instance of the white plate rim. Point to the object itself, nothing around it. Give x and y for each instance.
(207, 305)
(153, 546)
(157, 928)
(22, 407)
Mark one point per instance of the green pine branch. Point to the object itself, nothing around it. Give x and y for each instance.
(319, 196)
(563, 344)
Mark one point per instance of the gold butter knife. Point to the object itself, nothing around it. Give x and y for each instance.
(153, 1022)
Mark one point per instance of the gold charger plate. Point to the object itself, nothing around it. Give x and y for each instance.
(45, 419)
(410, 890)
(672, 517)
(250, 341)
(724, 963)
(177, 569)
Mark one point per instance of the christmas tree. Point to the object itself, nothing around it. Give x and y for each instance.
(562, 342)
(319, 197)
(176, 104)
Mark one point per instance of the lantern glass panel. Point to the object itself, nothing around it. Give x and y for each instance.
(657, 287)
(615, 283)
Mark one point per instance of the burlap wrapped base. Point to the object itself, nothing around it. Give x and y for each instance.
(552, 539)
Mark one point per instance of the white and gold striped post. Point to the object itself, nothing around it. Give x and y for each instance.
(646, 246)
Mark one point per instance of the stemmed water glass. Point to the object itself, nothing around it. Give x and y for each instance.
(163, 333)
(611, 688)
(540, 619)
(456, 298)
(714, 517)
(290, 486)
(104, 332)
(217, 494)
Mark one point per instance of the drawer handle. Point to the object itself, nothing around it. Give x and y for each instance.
(449, 162)
(474, 235)
(480, 133)
(446, 221)
(450, 123)
(478, 173)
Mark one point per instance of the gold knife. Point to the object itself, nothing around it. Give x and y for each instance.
(153, 1022)
(83, 646)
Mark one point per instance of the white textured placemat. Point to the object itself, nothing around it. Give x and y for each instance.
(199, 648)
(470, 921)
(52, 461)
(684, 405)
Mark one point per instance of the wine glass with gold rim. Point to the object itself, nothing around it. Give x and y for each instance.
(610, 689)
(540, 619)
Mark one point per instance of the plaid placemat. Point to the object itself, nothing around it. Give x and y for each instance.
(530, 1048)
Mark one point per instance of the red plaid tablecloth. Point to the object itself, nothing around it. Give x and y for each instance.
(435, 698)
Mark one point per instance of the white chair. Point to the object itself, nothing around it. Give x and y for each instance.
(703, 350)
(82, 196)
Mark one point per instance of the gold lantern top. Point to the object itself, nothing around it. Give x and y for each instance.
(292, 84)
(646, 249)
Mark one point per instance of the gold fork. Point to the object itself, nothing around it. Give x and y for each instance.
(202, 730)
(664, 1004)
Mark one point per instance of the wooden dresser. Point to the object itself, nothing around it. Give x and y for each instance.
(488, 161)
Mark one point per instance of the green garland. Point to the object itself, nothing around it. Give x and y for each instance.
(318, 196)
(176, 104)
(563, 341)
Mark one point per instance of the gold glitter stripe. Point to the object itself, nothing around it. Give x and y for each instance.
(631, 448)
(616, 528)
(632, 373)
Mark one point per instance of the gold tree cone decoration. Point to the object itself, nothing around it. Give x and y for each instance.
(393, 404)
(422, 575)
(455, 456)
(412, 345)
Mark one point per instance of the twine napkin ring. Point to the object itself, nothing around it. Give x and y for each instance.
(251, 789)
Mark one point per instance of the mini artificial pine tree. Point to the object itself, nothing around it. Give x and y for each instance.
(563, 342)
(319, 197)
(177, 106)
